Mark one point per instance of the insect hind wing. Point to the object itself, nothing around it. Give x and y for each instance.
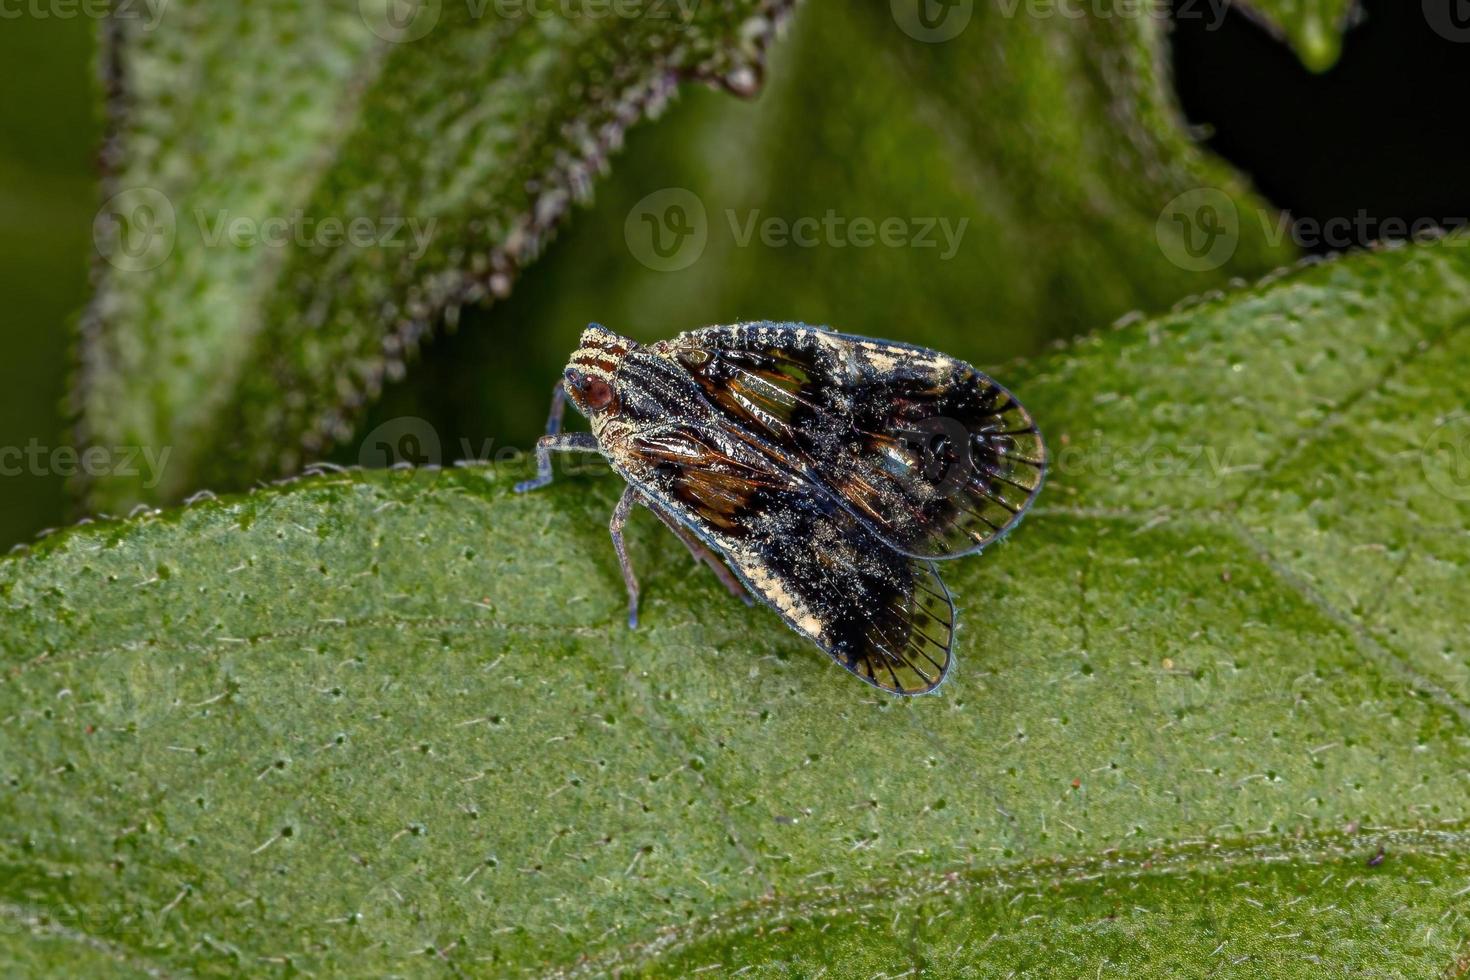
(910, 651)
(882, 615)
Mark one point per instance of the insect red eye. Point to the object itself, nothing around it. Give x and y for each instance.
(598, 394)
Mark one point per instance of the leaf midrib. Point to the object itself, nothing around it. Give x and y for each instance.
(1176, 859)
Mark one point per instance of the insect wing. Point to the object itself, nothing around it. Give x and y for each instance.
(881, 614)
(936, 457)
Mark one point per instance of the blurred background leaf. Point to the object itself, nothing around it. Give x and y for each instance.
(297, 190)
(1040, 178)
(1209, 708)
(1034, 172)
(1313, 28)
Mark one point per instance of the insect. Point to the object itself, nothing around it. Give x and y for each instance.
(821, 472)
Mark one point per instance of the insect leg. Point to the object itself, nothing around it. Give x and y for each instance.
(558, 408)
(619, 518)
(701, 553)
(559, 442)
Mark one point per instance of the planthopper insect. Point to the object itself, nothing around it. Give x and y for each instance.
(821, 472)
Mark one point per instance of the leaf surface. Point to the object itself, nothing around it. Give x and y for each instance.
(1209, 707)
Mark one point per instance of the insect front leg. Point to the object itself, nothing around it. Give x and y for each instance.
(619, 518)
(558, 409)
(556, 442)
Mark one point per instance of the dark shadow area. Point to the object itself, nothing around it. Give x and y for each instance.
(1378, 141)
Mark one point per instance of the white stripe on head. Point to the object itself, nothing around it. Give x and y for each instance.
(599, 352)
(595, 362)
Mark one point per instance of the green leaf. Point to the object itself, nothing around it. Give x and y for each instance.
(1313, 28)
(296, 192)
(1036, 169)
(1209, 709)
(1259, 909)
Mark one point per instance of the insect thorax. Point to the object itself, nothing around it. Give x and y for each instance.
(653, 390)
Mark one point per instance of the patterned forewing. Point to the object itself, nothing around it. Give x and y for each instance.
(934, 456)
(881, 614)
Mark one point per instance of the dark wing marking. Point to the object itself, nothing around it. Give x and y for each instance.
(881, 614)
(722, 483)
(935, 456)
